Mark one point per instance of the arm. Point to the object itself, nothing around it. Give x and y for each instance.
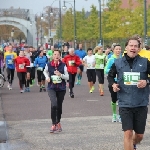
(78, 61)
(35, 62)
(148, 67)
(45, 72)
(85, 61)
(112, 74)
(108, 66)
(65, 75)
(27, 62)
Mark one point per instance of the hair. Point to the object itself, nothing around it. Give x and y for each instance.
(126, 43)
(107, 46)
(117, 45)
(70, 49)
(57, 50)
(147, 47)
(97, 48)
(134, 38)
(89, 49)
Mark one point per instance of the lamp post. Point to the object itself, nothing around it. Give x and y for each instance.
(100, 23)
(41, 30)
(145, 22)
(60, 22)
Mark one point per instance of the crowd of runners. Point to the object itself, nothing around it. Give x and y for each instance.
(127, 74)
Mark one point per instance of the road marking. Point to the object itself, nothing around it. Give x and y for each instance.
(92, 100)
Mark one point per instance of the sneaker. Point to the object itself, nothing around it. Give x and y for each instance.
(44, 89)
(77, 83)
(28, 89)
(91, 91)
(93, 88)
(40, 90)
(53, 129)
(10, 87)
(33, 81)
(119, 119)
(21, 91)
(134, 147)
(101, 93)
(38, 84)
(114, 118)
(59, 129)
(72, 95)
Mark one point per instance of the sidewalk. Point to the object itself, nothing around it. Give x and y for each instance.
(81, 133)
(3, 134)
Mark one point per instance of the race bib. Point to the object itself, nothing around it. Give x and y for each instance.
(56, 79)
(71, 63)
(89, 65)
(101, 66)
(10, 61)
(21, 66)
(131, 78)
(40, 68)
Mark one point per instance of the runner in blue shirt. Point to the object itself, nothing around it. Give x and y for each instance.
(81, 53)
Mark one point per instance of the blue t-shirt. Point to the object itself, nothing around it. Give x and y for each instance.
(80, 53)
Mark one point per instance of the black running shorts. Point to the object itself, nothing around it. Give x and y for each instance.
(134, 118)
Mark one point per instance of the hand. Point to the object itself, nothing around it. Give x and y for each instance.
(141, 83)
(115, 87)
(57, 73)
(48, 79)
(28, 75)
(93, 65)
(85, 65)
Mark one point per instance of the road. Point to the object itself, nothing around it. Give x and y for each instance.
(86, 121)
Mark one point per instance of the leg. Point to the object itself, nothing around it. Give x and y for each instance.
(43, 82)
(39, 75)
(12, 76)
(88, 72)
(101, 81)
(8, 75)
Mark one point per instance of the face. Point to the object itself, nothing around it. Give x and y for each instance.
(90, 52)
(65, 49)
(80, 46)
(132, 48)
(56, 56)
(41, 53)
(100, 50)
(10, 48)
(71, 51)
(21, 53)
(117, 50)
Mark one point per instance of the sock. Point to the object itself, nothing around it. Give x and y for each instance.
(113, 107)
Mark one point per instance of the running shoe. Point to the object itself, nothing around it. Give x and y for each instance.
(27, 89)
(43, 88)
(93, 88)
(119, 119)
(58, 126)
(40, 90)
(101, 93)
(38, 84)
(91, 91)
(33, 81)
(114, 118)
(72, 95)
(134, 147)
(10, 87)
(53, 129)
(77, 83)
(21, 91)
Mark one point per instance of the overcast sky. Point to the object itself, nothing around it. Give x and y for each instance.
(38, 5)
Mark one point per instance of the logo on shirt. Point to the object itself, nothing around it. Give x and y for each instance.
(140, 65)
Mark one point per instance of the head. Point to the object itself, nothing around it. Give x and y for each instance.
(65, 48)
(41, 53)
(112, 46)
(56, 55)
(31, 49)
(117, 50)
(98, 49)
(89, 51)
(10, 48)
(21, 53)
(133, 47)
(71, 51)
(80, 46)
(108, 49)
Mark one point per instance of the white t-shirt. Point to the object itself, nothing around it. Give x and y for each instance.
(90, 60)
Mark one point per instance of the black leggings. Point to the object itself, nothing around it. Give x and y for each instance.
(100, 75)
(71, 81)
(91, 75)
(10, 75)
(113, 94)
(22, 79)
(32, 74)
(56, 98)
(40, 76)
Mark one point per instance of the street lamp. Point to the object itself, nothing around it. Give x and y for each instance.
(60, 21)
(41, 29)
(100, 23)
(145, 22)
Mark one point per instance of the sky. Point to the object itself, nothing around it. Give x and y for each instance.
(38, 5)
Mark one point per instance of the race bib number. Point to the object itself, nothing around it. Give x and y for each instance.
(71, 63)
(101, 66)
(21, 66)
(56, 79)
(89, 65)
(40, 68)
(131, 78)
(10, 61)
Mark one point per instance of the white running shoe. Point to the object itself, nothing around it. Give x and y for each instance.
(21, 91)
(10, 88)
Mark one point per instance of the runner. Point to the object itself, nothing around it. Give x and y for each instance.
(56, 73)
(40, 63)
(89, 62)
(9, 58)
(81, 53)
(65, 52)
(21, 62)
(100, 59)
(133, 92)
(72, 61)
(117, 52)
